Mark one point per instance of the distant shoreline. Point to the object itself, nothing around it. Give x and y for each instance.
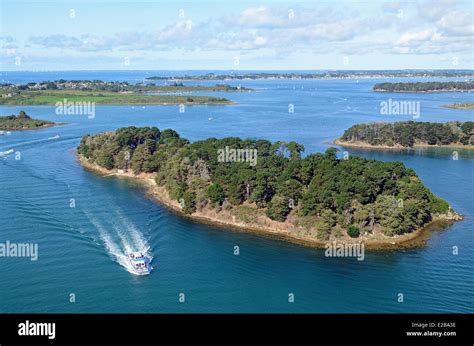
(424, 87)
(330, 74)
(23, 122)
(111, 93)
(33, 128)
(276, 230)
(422, 92)
(398, 147)
(126, 101)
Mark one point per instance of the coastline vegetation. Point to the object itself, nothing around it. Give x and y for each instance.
(419, 87)
(321, 195)
(100, 92)
(22, 122)
(410, 133)
(105, 98)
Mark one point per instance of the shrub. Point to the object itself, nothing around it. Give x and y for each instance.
(353, 231)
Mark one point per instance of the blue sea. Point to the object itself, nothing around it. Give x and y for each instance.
(80, 249)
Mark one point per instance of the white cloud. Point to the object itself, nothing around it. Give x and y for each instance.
(442, 28)
(261, 16)
(434, 9)
(177, 31)
(415, 37)
(457, 23)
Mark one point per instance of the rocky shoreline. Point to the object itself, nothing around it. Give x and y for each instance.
(269, 228)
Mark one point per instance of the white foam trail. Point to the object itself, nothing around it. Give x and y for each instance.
(125, 243)
(138, 240)
(21, 144)
(112, 248)
(131, 239)
(5, 153)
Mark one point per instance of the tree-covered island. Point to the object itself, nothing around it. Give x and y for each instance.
(407, 134)
(315, 199)
(22, 121)
(420, 87)
(100, 92)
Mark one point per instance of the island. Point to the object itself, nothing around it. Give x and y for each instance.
(340, 74)
(23, 122)
(423, 87)
(270, 189)
(409, 134)
(460, 105)
(111, 93)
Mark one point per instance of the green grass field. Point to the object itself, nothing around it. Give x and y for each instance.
(106, 98)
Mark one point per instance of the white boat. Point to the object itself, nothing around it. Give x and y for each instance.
(2, 133)
(140, 263)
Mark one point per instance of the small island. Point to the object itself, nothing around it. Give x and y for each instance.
(22, 122)
(270, 189)
(424, 87)
(460, 105)
(409, 134)
(111, 93)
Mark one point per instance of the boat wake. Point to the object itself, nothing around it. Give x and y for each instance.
(6, 153)
(23, 144)
(120, 238)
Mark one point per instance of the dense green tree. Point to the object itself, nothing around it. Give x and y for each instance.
(408, 133)
(189, 199)
(424, 86)
(278, 208)
(140, 157)
(216, 194)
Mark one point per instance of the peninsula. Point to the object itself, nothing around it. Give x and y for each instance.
(408, 134)
(22, 122)
(111, 93)
(270, 189)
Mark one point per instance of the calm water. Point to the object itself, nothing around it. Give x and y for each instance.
(80, 249)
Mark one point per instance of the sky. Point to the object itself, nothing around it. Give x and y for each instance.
(236, 35)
